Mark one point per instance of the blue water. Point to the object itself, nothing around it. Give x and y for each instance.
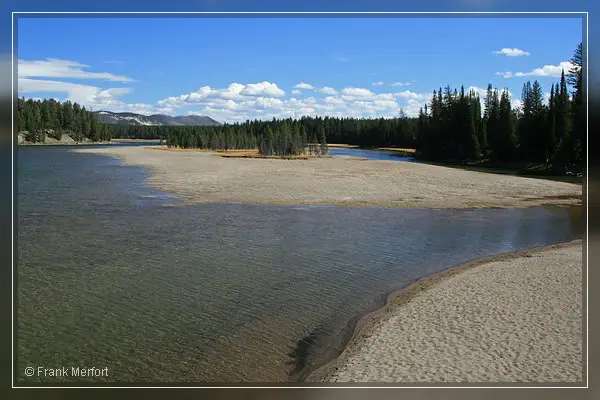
(369, 154)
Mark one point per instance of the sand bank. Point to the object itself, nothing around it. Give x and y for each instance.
(206, 177)
(509, 318)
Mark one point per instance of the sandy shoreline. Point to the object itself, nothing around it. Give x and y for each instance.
(515, 317)
(203, 177)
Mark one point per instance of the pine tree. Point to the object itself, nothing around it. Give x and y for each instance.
(578, 111)
(506, 143)
(566, 148)
(323, 142)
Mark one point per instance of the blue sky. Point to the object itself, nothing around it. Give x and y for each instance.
(232, 69)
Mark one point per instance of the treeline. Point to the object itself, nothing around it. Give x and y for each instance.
(453, 127)
(38, 118)
(400, 132)
(285, 137)
(373, 132)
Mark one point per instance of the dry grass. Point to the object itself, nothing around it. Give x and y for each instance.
(177, 149)
(256, 154)
(346, 146)
(397, 149)
(235, 153)
(134, 140)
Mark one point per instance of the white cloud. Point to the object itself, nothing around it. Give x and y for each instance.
(327, 90)
(548, 70)
(261, 103)
(353, 93)
(306, 86)
(401, 84)
(412, 108)
(378, 83)
(334, 100)
(303, 85)
(506, 74)
(480, 91)
(511, 52)
(74, 90)
(546, 98)
(214, 97)
(55, 68)
(515, 103)
(262, 89)
(410, 95)
(91, 97)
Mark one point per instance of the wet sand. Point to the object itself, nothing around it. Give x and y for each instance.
(507, 318)
(205, 177)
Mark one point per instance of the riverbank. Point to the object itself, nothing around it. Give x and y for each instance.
(510, 318)
(203, 177)
(117, 140)
(524, 169)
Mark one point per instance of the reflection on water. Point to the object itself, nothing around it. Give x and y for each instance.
(109, 277)
(388, 155)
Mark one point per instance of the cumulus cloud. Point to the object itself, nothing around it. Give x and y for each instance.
(306, 86)
(512, 52)
(262, 103)
(262, 89)
(327, 90)
(548, 70)
(410, 95)
(334, 100)
(377, 83)
(354, 93)
(303, 85)
(516, 103)
(235, 91)
(56, 68)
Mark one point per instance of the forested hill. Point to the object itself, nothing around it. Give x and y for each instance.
(39, 119)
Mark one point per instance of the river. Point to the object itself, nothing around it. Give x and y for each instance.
(114, 273)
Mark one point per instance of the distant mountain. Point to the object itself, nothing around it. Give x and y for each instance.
(126, 118)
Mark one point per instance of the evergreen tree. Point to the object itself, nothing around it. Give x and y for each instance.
(506, 143)
(323, 150)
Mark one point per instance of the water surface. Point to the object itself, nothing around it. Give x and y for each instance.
(115, 273)
(387, 155)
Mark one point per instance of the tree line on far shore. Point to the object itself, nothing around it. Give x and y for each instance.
(285, 137)
(364, 132)
(38, 118)
(453, 127)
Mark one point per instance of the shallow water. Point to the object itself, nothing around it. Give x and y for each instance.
(387, 155)
(108, 276)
